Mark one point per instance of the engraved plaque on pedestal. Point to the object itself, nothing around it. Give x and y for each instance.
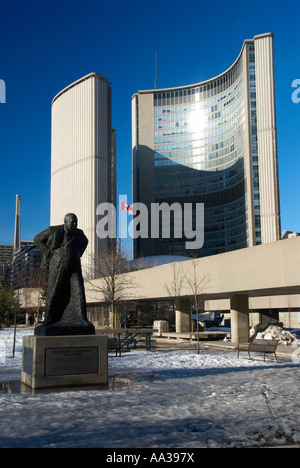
(71, 361)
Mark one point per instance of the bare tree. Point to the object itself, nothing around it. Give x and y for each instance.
(10, 310)
(8, 305)
(16, 285)
(174, 285)
(110, 267)
(197, 283)
(36, 294)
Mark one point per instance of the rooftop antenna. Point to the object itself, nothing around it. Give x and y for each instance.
(155, 70)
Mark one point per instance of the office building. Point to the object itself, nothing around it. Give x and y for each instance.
(215, 143)
(25, 268)
(83, 152)
(6, 256)
(9, 255)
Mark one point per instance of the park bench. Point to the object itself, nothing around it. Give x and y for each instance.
(114, 344)
(260, 346)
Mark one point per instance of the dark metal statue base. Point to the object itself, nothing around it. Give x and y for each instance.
(64, 329)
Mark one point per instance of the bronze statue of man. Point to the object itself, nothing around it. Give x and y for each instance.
(62, 247)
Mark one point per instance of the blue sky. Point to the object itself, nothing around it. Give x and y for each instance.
(44, 46)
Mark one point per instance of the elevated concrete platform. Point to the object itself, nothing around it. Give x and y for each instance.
(192, 336)
(289, 352)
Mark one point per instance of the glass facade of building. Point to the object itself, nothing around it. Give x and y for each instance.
(204, 150)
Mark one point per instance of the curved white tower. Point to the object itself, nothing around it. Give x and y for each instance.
(214, 143)
(82, 156)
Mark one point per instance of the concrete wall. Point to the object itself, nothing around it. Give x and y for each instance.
(266, 270)
(265, 276)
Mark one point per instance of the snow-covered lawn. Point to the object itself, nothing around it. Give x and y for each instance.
(175, 399)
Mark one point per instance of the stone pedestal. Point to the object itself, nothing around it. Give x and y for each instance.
(61, 361)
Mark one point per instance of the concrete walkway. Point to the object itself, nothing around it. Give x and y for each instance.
(283, 351)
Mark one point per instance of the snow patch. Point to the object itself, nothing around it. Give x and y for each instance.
(173, 399)
(273, 332)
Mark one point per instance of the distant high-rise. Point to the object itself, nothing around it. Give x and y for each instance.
(214, 143)
(17, 236)
(83, 151)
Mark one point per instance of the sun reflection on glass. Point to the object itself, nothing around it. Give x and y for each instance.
(198, 120)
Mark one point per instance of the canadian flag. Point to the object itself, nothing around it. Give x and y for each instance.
(127, 208)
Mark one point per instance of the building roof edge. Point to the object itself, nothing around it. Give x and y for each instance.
(201, 83)
(75, 83)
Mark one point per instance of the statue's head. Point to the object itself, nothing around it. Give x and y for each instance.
(70, 222)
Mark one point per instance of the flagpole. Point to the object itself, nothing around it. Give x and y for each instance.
(120, 216)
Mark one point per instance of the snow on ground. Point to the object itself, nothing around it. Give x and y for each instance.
(174, 399)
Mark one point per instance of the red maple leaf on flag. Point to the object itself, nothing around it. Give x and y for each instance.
(127, 208)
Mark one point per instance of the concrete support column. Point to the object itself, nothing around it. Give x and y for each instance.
(239, 315)
(183, 315)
